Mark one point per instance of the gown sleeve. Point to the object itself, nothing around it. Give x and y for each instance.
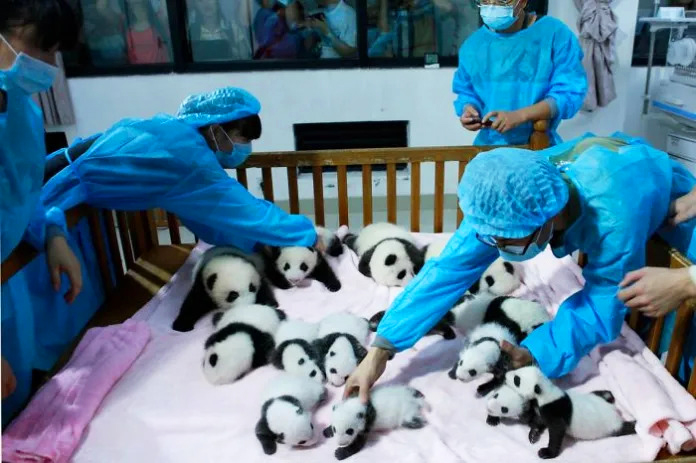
(568, 85)
(463, 87)
(436, 288)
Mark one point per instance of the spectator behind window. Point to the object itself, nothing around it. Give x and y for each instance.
(379, 35)
(338, 29)
(308, 41)
(105, 32)
(146, 37)
(210, 34)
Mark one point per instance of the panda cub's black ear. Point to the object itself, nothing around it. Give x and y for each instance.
(509, 267)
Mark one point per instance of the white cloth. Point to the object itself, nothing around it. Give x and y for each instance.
(343, 24)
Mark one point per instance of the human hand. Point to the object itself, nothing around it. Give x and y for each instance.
(9, 382)
(519, 356)
(61, 259)
(683, 208)
(505, 120)
(320, 25)
(367, 373)
(656, 291)
(471, 119)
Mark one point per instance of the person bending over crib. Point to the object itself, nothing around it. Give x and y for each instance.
(177, 163)
(605, 201)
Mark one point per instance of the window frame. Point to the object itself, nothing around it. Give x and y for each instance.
(182, 62)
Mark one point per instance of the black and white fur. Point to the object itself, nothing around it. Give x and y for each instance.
(389, 407)
(505, 403)
(286, 414)
(224, 278)
(443, 328)
(500, 279)
(388, 254)
(242, 342)
(341, 344)
(518, 315)
(290, 266)
(295, 351)
(580, 415)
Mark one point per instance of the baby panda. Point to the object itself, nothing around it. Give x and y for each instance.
(243, 341)
(295, 352)
(581, 415)
(290, 266)
(340, 345)
(500, 279)
(389, 407)
(225, 277)
(507, 403)
(286, 414)
(388, 254)
(443, 327)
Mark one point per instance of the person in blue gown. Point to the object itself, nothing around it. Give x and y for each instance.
(517, 69)
(177, 163)
(31, 32)
(606, 199)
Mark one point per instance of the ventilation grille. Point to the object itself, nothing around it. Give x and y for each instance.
(351, 135)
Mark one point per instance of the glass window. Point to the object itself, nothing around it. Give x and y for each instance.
(219, 31)
(123, 32)
(641, 44)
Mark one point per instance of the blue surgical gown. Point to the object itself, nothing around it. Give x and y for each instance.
(165, 163)
(624, 199)
(22, 160)
(507, 72)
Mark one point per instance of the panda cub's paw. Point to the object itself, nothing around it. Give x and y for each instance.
(416, 422)
(535, 435)
(546, 453)
(342, 453)
(492, 420)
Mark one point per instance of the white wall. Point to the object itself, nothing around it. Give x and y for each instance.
(423, 97)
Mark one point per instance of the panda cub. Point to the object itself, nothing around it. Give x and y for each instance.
(340, 345)
(388, 254)
(286, 413)
(518, 315)
(389, 407)
(242, 342)
(481, 353)
(225, 277)
(507, 403)
(443, 327)
(295, 352)
(582, 416)
(500, 279)
(290, 266)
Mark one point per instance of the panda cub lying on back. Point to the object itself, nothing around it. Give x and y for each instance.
(389, 407)
(243, 341)
(224, 277)
(388, 254)
(583, 416)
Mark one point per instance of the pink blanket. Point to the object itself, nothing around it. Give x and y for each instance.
(50, 428)
(163, 410)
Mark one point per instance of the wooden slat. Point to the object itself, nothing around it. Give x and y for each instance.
(460, 214)
(126, 245)
(267, 175)
(342, 174)
(367, 194)
(138, 233)
(100, 249)
(439, 206)
(679, 335)
(655, 334)
(114, 248)
(149, 220)
(633, 320)
(692, 382)
(293, 191)
(173, 225)
(242, 177)
(415, 196)
(391, 193)
(318, 181)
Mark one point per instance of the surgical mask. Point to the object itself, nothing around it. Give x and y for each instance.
(231, 159)
(30, 74)
(518, 254)
(498, 17)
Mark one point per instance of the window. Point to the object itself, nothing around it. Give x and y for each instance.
(161, 36)
(641, 45)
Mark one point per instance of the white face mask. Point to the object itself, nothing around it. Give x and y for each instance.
(30, 74)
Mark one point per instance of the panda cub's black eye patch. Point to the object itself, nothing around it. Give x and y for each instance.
(313, 374)
(301, 362)
(401, 275)
(490, 281)
(516, 380)
(286, 267)
(350, 431)
(333, 371)
(252, 288)
(537, 389)
(472, 372)
(504, 409)
(210, 282)
(302, 442)
(390, 260)
(332, 353)
(213, 360)
(304, 267)
(232, 296)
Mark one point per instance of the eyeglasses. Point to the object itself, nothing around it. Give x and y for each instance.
(495, 2)
(515, 250)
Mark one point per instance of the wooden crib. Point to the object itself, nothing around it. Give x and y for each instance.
(140, 265)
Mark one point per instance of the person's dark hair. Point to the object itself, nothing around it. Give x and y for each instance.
(56, 22)
(248, 127)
